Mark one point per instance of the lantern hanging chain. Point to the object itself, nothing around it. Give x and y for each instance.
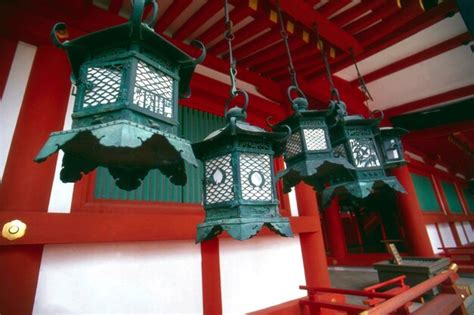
(362, 84)
(284, 35)
(332, 87)
(229, 36)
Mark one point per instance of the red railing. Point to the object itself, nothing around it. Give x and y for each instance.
(450, 300)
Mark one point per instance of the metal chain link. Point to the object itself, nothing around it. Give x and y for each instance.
(332, 87)
(362, 84)
(284, 35)
(229, 36)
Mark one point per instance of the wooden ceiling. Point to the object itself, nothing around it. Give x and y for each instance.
(367, 27)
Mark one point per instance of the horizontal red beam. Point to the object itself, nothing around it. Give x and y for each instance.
(60, 228)
(378, 14)
(416, 58)
(430, 101)
(208, 10)
(305, 14)
(176, 8)
(331, 7)
(356, 11)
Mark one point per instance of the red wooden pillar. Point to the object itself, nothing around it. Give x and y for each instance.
(312, 244)
(26, 185)
(417, 236)
(211, 277)
(336, 236)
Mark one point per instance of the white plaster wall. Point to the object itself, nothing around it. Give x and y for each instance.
(469, 231)
(462, 235)
(120, 278)
(260, 272)
(446, 234)
(12, 99)
(61, 193)
(434, 238)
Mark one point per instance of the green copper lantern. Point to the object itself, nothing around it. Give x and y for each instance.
(354, 138)
(239, 186)
(391, 146)
(125, 117)
(309, 156)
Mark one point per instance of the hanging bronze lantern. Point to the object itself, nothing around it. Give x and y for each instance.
(125, 117)
(391, 146)
(309, 155)
(239, 185)
(354, 138)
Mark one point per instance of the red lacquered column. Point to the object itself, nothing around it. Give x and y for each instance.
(417, 236)
(335, 231)
(26, 186)
(312, 244)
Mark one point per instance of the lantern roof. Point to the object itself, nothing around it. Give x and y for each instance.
(361, 188)
(126, 35)
(238, 128)
(393, 131)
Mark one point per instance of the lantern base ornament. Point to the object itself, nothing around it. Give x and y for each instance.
(312, 171)
(361, 188)
(129, 150)
(242, 228)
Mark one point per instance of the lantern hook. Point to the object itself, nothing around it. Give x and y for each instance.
(377, 115)
(300, 102)
(58, 31)
(137, 13)
(239, 113)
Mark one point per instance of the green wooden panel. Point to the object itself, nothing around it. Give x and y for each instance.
(469, 197)
(425, 193)
(194, 126)
(452, 198)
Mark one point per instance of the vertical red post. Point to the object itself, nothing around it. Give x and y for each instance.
(312, 244)
(417, 236)
(26, 185)
(211, 277)
(336, 236)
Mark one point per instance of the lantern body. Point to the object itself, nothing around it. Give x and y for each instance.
(391, 145)
(239, 185)
(128, 81)
(356, 139)
(309, 155)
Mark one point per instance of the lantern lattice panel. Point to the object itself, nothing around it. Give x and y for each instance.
(315, 139)
(219, 191)
(293, 146)
(364, 153)
(103, 85)
(255, 177)
(153, 90)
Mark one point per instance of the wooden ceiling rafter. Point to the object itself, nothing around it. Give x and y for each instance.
(378, 14)
(444, 9)
(356, 11)
(331, 7)
(207, 11)
(423, 55)
(173, 11)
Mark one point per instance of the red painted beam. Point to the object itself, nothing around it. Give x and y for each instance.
(378, 14)
(356, 11)
(7, 53)
(207, 11)
(176, 8)
(256, 45)
(217, 29)
(281, 61)
(211, 277)
(424, 21)
(110, 226)
(430, 101)
(390, 24)
(416, 58)
(305, 14)
(260, 24)
(115, 6)
(332, 7)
